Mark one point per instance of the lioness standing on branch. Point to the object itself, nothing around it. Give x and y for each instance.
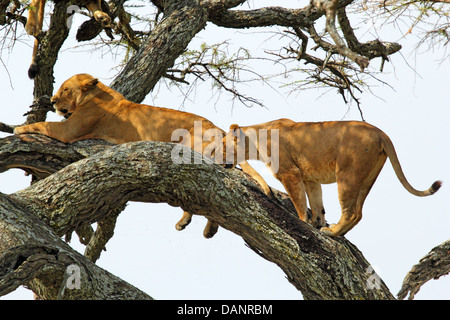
(350, 153)
(95, 111)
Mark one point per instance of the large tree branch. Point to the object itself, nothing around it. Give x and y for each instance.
(371, 49)
(41, 156)
(303, 18)
(182, 21)
(33, 255)
(86, 191)
(269, 16)
(434, 265)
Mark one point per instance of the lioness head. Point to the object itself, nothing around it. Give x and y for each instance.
(72, 93)
(234, 149)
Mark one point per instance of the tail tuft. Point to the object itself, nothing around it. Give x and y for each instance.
(435, 187)
(32, 71)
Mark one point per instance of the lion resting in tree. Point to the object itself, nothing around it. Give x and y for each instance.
(36, 19)
(350, 153)
(95, 111)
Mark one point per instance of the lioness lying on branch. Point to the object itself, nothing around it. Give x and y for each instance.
(95, 111)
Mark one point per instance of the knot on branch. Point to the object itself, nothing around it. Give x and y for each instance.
(21, 264)
(39, 109)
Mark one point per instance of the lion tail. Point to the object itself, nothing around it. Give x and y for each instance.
(33, 70)
(390, 151)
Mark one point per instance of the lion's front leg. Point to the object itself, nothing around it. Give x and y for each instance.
(210, 229)
(295, 187)
(314, 193)
(39, 127)
(184, 221)
(55, 130)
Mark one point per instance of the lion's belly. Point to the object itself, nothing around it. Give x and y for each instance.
(322, 172)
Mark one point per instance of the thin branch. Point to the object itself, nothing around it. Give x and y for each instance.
(245, 100)
(224, 69)
(7, 127)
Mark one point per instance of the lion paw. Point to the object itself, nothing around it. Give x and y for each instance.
(31, 28)
(102, 18)
(327, 231)
(18, 130)
(210, 231)
(182, 224)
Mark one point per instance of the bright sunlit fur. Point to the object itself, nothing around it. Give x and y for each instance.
(350, 153)
(95, 111)
(36, 19)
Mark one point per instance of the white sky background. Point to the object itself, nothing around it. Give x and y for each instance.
(397, 228)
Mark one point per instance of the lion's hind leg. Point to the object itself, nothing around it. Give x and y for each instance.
(351, 213)
(350, 216)
(34, 26)
(352, 195)
(210, 228)
(95, 8)
(184, 221)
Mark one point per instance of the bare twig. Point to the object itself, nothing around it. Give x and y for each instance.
(7, 127)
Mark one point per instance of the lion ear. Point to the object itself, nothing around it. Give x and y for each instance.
(89, 84)
(236, 130)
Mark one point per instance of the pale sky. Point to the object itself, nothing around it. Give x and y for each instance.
(397, 228)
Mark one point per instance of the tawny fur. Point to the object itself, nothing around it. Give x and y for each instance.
(98, 112)
(350, 153)
(36, 19)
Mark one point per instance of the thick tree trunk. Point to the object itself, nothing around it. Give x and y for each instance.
(91, 189)
(182, 21)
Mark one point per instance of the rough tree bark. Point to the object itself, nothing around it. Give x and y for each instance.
(32, 254)
(433, 266)
(92, 188)
(184, 19)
